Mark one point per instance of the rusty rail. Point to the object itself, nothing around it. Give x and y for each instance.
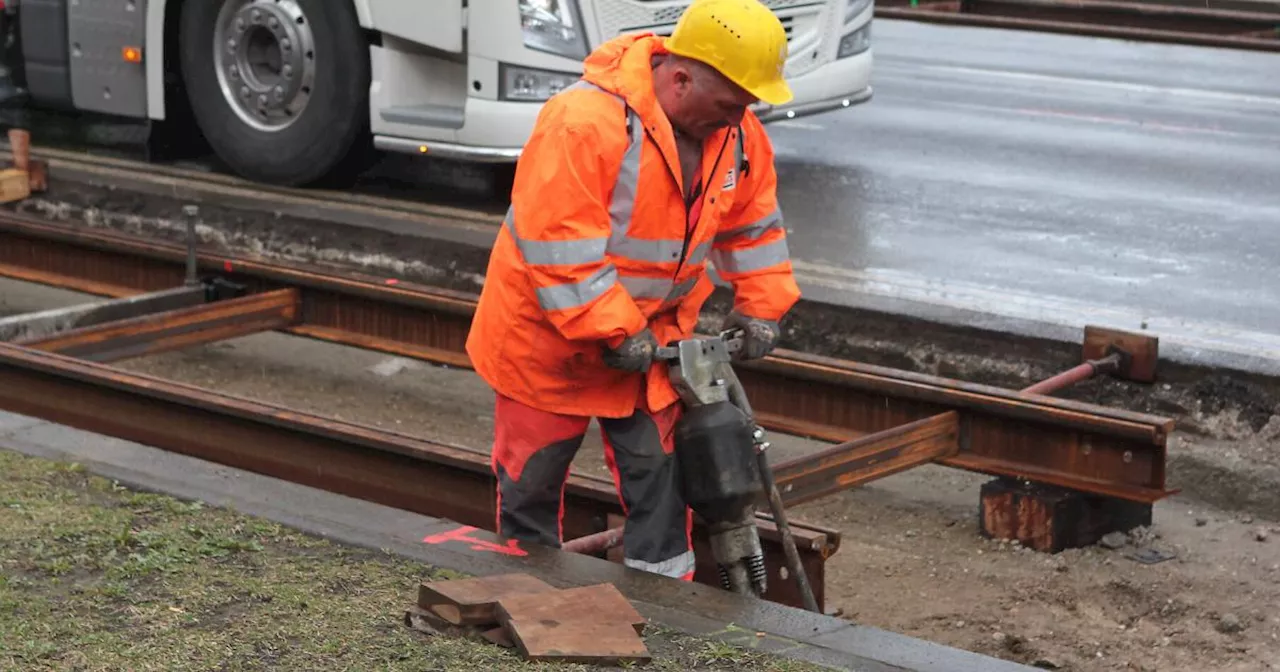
(175, 329)
(380, 466)
(1084, 447)
(860, 461)
(1245, 26)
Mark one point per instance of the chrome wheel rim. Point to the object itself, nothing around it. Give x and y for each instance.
(264, 53)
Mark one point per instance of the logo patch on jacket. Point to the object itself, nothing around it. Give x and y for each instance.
(730, 179)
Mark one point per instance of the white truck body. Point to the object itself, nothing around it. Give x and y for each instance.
(462, 79)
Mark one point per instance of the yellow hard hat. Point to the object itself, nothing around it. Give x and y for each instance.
(742, 39)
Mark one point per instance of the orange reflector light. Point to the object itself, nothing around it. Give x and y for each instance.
(132, 54)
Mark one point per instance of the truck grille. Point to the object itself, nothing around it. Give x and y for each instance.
(804, 20)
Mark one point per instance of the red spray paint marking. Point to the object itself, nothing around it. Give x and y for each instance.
(464, 534)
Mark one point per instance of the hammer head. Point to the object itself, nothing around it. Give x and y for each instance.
(1138, 352)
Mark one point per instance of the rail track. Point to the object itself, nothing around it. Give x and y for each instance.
(881, 421)
(1236, 24)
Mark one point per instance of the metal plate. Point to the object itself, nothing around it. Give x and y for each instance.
(1143, 351)
(101, 80)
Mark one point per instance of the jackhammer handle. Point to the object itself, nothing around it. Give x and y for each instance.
(732, 338)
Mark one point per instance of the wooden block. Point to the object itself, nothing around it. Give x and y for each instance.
(1051, 519)
(474, 601)
(419, 619)
(15, 185)
(599, 604)
(449, 613)
(577, 640)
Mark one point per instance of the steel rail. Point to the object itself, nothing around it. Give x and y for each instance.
(175, 329)
(1085, 447)
(1146, 21)
(394, 469)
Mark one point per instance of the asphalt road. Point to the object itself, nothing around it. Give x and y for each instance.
(1040, 182)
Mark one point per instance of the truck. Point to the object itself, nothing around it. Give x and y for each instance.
(293, 92)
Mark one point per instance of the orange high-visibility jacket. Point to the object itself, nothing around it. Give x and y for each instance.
(596, 244)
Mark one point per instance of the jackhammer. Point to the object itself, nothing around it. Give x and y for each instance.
(721, 455)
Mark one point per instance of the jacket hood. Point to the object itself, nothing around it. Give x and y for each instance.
(623, 66)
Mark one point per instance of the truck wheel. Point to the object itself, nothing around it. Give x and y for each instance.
(280, 88)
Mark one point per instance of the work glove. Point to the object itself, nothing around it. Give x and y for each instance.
(759, 337)
(634, 354)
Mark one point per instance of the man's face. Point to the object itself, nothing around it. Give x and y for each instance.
(704, 101)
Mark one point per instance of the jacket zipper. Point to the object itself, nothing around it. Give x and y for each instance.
(688, 210)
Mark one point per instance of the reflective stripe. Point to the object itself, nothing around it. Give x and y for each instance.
(646, 288)
(556, 252)
(562, 252)
(628, 181)
(699, 253)
(657, 288)
(618, 244)
(685, 286)
(755, 229)
(623, 203)
(576, 294)
(752, 258)
(676, 567)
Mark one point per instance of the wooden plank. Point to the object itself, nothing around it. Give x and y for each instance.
(573, 641)
(593, 624)
(430, 623)
(601, 603)
(474, 601)
(421, 620)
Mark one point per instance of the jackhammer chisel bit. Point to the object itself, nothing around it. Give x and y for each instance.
(723, 463)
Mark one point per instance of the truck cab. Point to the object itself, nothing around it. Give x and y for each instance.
(293, 91)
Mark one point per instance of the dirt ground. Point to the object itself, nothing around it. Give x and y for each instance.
(911, 559)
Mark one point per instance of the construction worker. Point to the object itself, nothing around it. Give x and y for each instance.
(632, 179)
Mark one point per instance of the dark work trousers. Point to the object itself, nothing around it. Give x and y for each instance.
(531, 456)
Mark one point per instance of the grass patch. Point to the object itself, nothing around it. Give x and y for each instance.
(94, 576)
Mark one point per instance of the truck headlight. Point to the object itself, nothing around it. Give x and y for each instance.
(530, 84)
(855, 8)
(855, 43)
(553, 26)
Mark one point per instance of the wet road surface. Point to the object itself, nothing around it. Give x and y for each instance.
(1054, 179)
